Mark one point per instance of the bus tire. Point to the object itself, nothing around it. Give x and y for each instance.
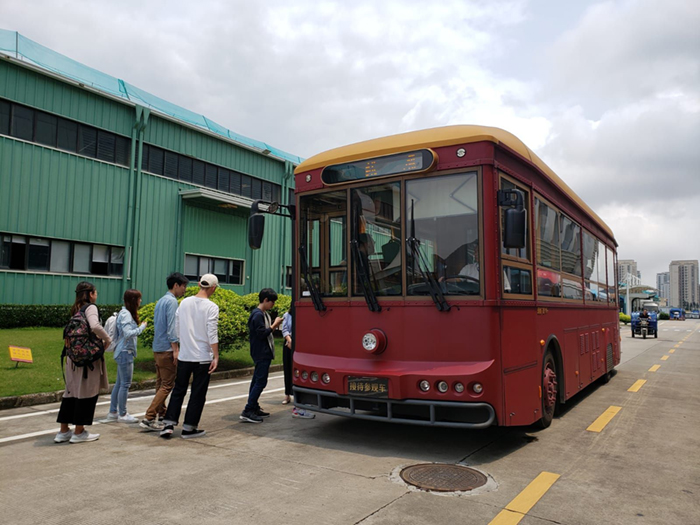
(656, 333)
(550, 390)
(632, 332)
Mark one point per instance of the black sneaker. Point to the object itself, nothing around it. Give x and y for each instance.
(262, 413)
(196, 433)
(167, 432)
(250, 417)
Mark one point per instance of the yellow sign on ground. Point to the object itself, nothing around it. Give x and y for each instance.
(21, 354)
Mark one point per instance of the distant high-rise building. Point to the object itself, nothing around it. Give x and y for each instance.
(663, 285)
(683, 284)
(639, 274)
(625, 266)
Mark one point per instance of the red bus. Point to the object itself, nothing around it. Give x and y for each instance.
(447, 277)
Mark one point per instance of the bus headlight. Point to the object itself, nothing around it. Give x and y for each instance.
(296, 372)
(314, 376)
(477, 388)
(459, 388)
(326, 378)
(304, 375)
(424, 385)
(442, 386)
(369, 342)
(374, 341)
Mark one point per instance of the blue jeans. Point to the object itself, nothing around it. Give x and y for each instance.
(257, 384)
(125, 371)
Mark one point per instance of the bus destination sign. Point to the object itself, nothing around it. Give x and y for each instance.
(397, 164)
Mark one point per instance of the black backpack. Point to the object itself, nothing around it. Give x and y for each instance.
(81, 345)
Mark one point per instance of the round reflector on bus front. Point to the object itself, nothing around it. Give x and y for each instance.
(326, 378)
(424, 385)
(459, 388)
(296, 372)
(478, 388)
(442, 386)
(314, 376)
(304, 375)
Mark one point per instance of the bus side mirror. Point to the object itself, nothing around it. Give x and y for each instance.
(514, 228)
(514, 217)
(256, 229)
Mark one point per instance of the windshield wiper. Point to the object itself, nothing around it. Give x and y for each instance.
(433, 287)
(363, 278)
(304, 261)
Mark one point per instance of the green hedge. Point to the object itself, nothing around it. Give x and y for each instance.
(624, 318)
(234, 310)
(663, 316)
(49, 315)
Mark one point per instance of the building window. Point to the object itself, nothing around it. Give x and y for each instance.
(35, 254)
(288, 278)
(46, 129)
(228, 271)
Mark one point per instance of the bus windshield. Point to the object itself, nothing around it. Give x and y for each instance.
(364, 224)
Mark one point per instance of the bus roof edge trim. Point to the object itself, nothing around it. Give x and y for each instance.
(440, 137)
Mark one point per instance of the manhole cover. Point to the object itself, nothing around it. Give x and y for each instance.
(443, 478)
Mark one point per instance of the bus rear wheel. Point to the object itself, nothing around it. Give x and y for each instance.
(550, 390)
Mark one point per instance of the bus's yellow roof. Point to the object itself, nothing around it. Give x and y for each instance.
(435, 138)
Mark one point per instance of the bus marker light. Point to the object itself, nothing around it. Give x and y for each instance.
(326, 378)
(296, 372)
(442, 386)
(314, 376)
(478, 388)
(541, 342)
(369, 342)
(424, 385)
(459, 388)
(304, 375)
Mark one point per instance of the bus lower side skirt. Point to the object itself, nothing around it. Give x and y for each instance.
(410, 411)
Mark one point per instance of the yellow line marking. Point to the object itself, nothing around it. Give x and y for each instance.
(671, 350)
(654, 368)
(665, 357)
(605, 418)
(639, 383)
(523, 502)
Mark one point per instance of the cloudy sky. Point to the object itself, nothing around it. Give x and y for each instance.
(607, 93)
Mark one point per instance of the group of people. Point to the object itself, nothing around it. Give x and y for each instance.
(185, 346)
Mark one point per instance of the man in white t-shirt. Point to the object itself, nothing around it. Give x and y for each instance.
(196, 323)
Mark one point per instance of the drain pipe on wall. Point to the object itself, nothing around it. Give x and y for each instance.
(126, 275)
(142, 123)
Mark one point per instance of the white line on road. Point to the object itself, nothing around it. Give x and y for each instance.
(54, 430)
(138, 398)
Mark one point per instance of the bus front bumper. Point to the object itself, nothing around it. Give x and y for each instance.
(407, 411)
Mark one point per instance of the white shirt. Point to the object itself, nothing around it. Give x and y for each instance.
(196, 323)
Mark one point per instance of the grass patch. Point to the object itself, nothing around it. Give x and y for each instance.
(44, 375)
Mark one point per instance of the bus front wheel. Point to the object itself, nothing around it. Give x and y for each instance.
(550, 391)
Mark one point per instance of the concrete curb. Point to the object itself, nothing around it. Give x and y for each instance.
(54, 397)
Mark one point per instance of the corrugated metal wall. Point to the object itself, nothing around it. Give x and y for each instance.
(52, 95)
(51, 193)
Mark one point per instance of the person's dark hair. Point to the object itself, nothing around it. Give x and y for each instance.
(82, 296)
(267, 293)
(176, 278)
(131, 302)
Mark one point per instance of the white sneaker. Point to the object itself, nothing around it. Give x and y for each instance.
(112, 416)
(84, 437)
(62, 437)
(128, 418)
(301, 413)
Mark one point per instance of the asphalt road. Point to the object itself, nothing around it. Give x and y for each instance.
(642, 466)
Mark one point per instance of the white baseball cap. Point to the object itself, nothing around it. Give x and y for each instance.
(208, 280)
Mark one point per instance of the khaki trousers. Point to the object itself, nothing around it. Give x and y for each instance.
(166, 371)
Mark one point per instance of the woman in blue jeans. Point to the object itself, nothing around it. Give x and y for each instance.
(126, 332)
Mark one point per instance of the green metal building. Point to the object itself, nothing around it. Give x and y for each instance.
(101, 181)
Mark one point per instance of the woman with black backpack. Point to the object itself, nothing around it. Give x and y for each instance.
(84, 379)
